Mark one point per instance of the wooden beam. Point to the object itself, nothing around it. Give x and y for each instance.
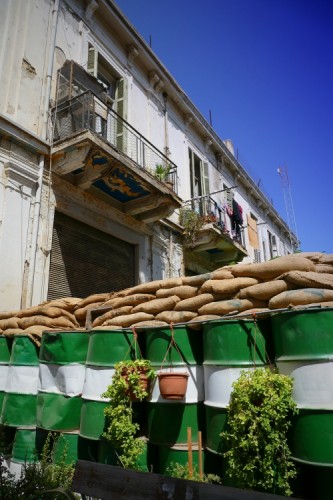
(71, 160)
(90, 175)
(115, 483)
(135, 207)
(160, 212)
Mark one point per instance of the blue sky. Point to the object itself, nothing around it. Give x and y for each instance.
(264, 69)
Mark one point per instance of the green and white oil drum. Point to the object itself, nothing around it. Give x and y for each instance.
(20, 397)
(62, 373)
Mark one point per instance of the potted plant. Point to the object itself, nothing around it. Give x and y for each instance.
(192, 223)
(122, 431)
(161, 172)
(259, 417)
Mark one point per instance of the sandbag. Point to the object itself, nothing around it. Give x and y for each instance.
(107, 327)
(11, 332)
(130, 300)
(197, 280)
(329, 303)
(303, 279)
(194, 303)
(67, 303)
(128, 319)
(326, 259)
(157, 305)
(121, 311)
(61, 322)
(273, 268)
(196, 323)
(263, 291)
(302, 296)
(152, 286)
(324, 268)
(9, 323)
(175, 316)
(221, 274)
(8, 314)
(150, 324)
(183, 292)
(314, 256)
(226, 306)
(227, 286)
(81, 313)
(91, 299)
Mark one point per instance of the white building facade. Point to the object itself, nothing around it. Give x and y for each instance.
(110, 176)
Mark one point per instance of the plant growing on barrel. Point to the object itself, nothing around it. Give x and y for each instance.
(259, 416)
(130, 382)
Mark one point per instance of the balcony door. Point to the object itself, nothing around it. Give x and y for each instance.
(108, 124)
(199, 182)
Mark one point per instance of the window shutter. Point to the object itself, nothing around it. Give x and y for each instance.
(92, 66)
(252, 232)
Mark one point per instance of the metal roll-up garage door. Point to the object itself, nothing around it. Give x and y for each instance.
(85, 261)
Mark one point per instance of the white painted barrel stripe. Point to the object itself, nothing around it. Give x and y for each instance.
(16, 468)
(22, 379)
(195, 385)
(97, 380)
(313, 383)
(218, 384)
(61, 379)
(3, 376)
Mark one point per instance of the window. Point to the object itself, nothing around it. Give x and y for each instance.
(252, 230)
(199, 182)
(116, 91)
(272, 245)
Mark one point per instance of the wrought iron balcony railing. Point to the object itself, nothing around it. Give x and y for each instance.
(211, 212)
(88, 112)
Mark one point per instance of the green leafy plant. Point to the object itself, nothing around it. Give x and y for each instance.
(181, 471)
(192, 223)
(40, 478)
(259, 417)
(128, 383)
(161, 171)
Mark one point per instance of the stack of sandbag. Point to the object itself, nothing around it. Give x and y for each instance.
(287, 281)
(52, 315)
(296, 280)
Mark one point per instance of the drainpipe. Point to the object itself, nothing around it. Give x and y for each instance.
(166, 129)
(38, 196)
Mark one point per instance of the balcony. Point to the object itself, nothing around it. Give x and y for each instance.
(98, 151)
(208, 232)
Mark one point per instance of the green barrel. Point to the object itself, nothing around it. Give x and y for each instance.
(312, 437)
(304, 350)
(171, 456)
(19, 402)
(24, 450)
(168, 423)
(65, 448)
(57, 412)
(236, 342)
(105, 349)
(229, 347)
(62, 373)
(216, 419)
(64, 347)
(188, 351)
(5, 348)
(107, 454)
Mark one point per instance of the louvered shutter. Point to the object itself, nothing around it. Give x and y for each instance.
(92, 66)
(253, 232)
(85, 261)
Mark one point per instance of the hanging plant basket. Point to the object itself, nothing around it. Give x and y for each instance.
(142, 380)
(173, 385)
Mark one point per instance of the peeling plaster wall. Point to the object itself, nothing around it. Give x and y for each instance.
(18, 177)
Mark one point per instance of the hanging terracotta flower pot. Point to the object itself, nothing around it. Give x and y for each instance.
(173, 385)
